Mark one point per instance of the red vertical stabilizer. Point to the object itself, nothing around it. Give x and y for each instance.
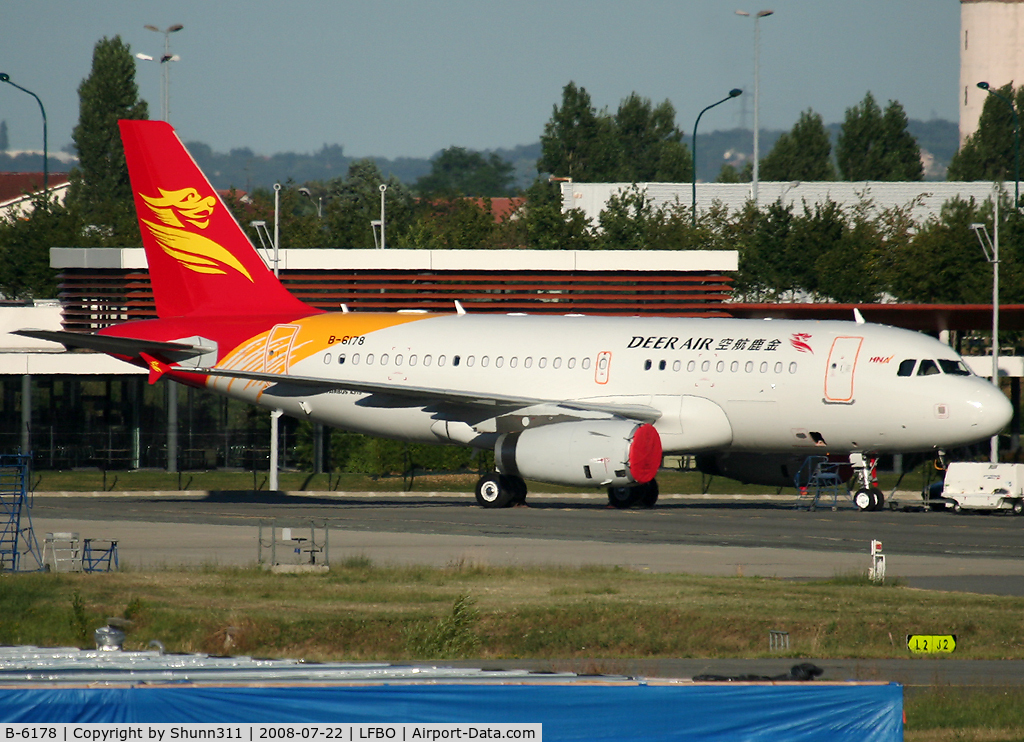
(200, 261)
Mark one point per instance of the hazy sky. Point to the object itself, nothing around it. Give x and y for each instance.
(392, 78)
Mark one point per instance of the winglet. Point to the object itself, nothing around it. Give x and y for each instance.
(156, 368)
(857, 316)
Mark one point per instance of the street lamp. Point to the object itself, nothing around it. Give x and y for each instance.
(165, 72)
(1016, 140)
(4, 77)
(757, 93)
(732, 94)
(991, 250)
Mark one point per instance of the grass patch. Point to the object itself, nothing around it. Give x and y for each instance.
(361, 610)
(951, 714)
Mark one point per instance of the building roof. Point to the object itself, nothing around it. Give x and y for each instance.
(13, 186)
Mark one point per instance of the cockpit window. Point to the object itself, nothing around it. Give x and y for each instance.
(955, 368)
(927, 368)
(907, 367)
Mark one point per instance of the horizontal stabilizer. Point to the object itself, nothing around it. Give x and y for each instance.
(497, 402)
(130, 347)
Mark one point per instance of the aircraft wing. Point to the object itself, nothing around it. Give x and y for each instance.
(642, 413)
(131, 347)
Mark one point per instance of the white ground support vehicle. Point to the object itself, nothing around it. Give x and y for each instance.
(984, 486)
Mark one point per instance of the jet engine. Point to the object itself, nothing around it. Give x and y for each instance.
(586, 453)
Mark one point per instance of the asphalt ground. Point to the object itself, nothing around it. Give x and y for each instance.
(752, 535)
(748, 535)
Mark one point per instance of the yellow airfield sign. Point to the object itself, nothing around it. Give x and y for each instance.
(931, 643)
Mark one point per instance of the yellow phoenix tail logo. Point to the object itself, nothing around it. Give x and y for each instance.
(198, 253)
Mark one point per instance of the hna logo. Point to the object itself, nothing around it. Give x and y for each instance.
(178, 211)
(799, 341)
(881, 359)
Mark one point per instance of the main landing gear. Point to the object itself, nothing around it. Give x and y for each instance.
(868, 497)
(500, 491)
(644, 495)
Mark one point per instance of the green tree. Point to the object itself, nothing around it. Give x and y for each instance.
(989, 153)
(877, 146)
(804, 153)
(943, 262)
(649, 144)
(25, 244)
(461, 172)
(577, 142)
(100, 188)
(540, 223)
(355, 201)
(452, 224)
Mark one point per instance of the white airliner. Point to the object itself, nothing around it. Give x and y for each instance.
(571, 400)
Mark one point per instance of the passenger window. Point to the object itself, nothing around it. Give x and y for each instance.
(456, 360)
(927, 368)
(369, 359)
(705, 366)
(907, 367)
(557, 363)
(647, 365)
(792, 367)
(661, 365)
(355, 359)
(426, 360)
(327, 357)
(571, 363)
(528, 362)
(485, 361)
(778, 367)
(513, 362)
(734, 366)
(749, 368)
(499, 362)
(398, 360)
(764, 367)
(955, 368)
(470, 360)
(341, 360)
(586, 364)
(542, 363)
(676, 365)
(412, 360)
(720, 366)
(691, 366)
(383, 359)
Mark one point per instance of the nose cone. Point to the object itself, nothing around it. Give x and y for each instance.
(989, 410)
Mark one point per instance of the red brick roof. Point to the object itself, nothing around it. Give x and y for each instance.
(13, 185)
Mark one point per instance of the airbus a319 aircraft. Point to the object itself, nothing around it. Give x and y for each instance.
(571, 400)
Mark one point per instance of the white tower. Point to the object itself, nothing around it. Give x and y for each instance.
(991, 50)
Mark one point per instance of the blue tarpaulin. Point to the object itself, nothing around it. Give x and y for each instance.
(763, 712)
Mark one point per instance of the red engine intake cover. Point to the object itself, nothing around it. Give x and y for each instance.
(645, 454)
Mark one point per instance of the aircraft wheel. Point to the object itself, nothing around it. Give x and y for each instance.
(863, 500)
(957, 508)
(623, 497)
(516, 486)
(490, 492)
(648, 493)
(879, 498)
(1018, 507)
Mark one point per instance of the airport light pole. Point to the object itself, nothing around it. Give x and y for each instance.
(165, 72)
(1016, 140)
(4, 77)
(693, 201)
(757, 94)
(991, 249)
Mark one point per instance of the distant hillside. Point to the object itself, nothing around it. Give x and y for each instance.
(246, 170)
